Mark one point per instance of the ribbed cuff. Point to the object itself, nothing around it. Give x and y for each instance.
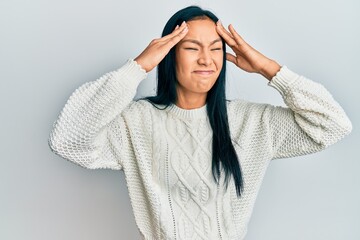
(283, 79)
(133, 69)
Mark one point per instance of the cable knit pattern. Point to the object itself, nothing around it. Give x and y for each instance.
(166, 154)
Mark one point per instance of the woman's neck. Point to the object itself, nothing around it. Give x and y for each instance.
(190, 100)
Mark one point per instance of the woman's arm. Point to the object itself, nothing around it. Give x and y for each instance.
(89, 130)
(312, 121)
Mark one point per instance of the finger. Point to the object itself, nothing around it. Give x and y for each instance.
(175, 32)
(231, 58)
(175, 39)
(229, 39)
(236, 36)
(222, 30)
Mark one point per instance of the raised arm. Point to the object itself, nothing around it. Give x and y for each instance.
(312, 120)
(90, 130)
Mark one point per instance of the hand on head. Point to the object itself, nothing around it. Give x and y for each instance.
(246, 57)
(158, 48)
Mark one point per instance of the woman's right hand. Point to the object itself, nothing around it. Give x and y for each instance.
(158, 48)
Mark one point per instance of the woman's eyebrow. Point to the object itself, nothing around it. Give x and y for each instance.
(199, 43)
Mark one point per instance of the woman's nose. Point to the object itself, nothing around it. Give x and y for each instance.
(205, 58)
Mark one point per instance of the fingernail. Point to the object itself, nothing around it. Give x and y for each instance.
(218, 22)
(177, 26)
(182, 24)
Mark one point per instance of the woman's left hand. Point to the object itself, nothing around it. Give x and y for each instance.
(246, 57)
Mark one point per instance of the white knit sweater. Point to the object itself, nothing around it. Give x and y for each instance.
(166, 154)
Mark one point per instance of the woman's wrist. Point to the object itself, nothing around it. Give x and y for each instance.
(270, 69)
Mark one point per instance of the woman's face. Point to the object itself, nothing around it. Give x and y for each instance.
(199, 58)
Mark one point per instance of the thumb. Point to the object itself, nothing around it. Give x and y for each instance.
(231, 58)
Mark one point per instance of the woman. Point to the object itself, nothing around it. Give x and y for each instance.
(193, 161)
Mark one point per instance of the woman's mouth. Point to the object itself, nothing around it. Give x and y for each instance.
(204, 72)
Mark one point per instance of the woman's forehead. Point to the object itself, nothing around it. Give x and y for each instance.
(201, 30)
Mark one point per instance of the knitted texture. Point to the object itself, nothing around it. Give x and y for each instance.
(166, 154)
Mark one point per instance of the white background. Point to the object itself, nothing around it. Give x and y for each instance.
(49, 48)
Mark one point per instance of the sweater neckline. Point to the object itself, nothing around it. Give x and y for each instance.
(188, 113)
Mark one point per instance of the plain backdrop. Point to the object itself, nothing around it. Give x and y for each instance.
(49, 48)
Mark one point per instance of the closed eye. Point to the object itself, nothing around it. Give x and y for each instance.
(215, 49)
(193, 49)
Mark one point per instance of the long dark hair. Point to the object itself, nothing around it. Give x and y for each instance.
(223, 150)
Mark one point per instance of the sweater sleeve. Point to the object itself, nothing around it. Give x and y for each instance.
(90, 130)
(312, 121)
